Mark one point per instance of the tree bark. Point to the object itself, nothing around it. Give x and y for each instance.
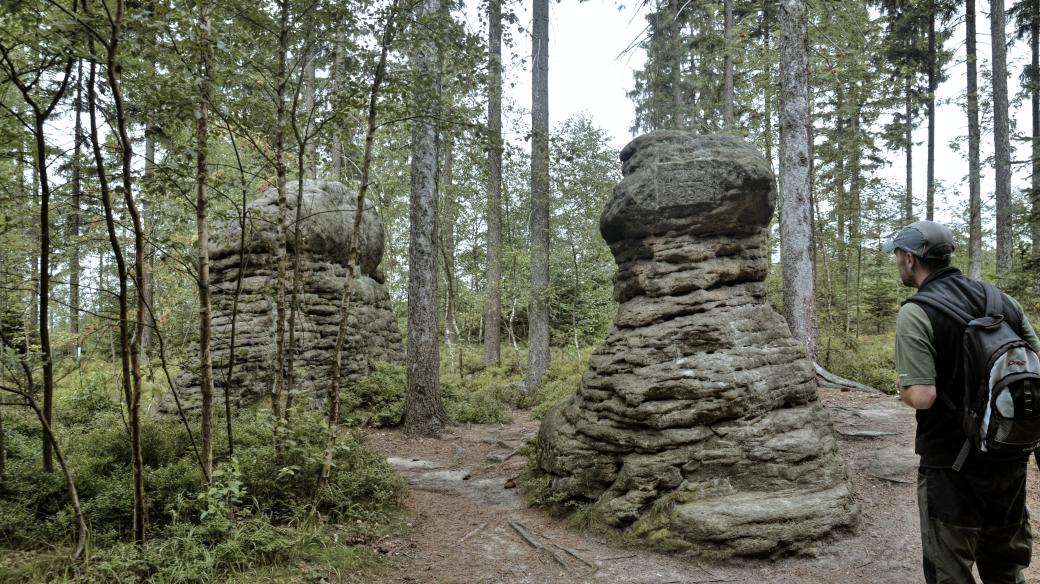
(676, 53)
(74, 216)
(113, 69)
(424, 413)
(447, 242)
(279, 385)
(908, 138)
(1001, 139)
(538, 308)
(796, 215)
(932, 74)
(974, 157)
(767, 97)
(727, 84)
(1034, 94)
(493, 298)
(202, 225)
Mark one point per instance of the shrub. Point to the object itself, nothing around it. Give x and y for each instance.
(378, 400)
(869, 360)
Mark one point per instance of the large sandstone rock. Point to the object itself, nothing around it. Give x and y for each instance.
(327, 223)
(697, 425)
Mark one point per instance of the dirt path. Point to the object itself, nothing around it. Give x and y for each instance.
(468, 526)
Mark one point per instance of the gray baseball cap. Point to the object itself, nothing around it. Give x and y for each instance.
(924, 239)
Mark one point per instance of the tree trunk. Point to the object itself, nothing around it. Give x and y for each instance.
(148, 286)
(676, 52)
(40, 114)
(1001, 139)
(44, 293)
(932, 76)
(538, 309)
(113, 69)
(279, 385)
(974, 164)
(126, 358)
(493, 298)
(767, 97)
(908, 138)
(1034, 94)
(424, 413)
(796, 215)
(74, 217)
(576, 301)
(309, 86)
(727, 84)
(448, 214)
(201, 222)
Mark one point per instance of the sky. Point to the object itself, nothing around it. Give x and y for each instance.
(590, 71)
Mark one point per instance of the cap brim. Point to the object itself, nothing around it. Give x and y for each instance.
(889, 246)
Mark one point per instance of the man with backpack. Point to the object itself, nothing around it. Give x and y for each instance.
(967, 362)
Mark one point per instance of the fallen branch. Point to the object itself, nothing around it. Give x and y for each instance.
(841, 382)
(472, 533)
(522, 532)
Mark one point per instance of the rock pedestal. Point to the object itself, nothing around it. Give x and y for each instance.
(697, 425)
(327, 218)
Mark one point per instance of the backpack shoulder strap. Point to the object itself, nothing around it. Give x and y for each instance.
(943, 305)
(994, 300)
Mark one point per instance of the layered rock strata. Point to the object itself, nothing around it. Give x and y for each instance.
(697, 425)
(327, 218)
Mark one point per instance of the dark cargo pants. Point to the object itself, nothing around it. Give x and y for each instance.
(975, 516)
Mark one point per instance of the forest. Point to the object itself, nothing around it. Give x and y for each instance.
(138, 136)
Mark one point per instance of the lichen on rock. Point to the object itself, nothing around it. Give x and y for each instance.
(327, 217)
(697, 425)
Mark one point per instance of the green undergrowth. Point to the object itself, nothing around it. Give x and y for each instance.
(261, 518)
(870, 359)
(471, 394)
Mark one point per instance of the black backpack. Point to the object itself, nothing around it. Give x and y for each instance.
(1001, 409)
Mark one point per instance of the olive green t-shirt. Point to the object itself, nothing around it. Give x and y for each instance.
(915, 349)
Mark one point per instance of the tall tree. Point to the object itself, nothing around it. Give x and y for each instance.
(932, 84)
(203, 83)
(727, 87)
(75, 219)
(1001, 138)
(493, 299)
(974, 164)
(41, 102)
(424, 412)
(676, 52)
(1026, 15)
(538, 309)
(796, 213)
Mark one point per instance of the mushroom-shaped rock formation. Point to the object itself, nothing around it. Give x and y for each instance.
(697, 425)
(326, 225)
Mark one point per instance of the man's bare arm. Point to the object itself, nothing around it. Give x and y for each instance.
(919, 397)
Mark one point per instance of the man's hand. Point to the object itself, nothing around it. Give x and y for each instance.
(919, 397)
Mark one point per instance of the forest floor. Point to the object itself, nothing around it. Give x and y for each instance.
(469, 523)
